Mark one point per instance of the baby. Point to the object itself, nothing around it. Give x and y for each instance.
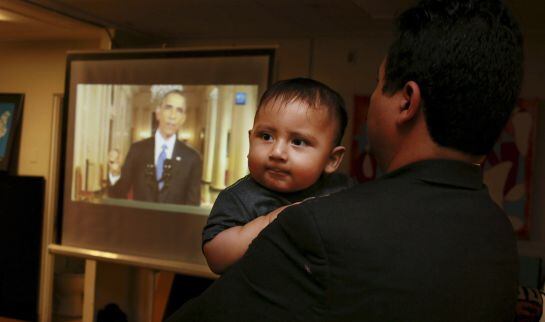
(295, 146)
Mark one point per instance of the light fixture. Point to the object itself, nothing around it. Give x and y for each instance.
(6, 15)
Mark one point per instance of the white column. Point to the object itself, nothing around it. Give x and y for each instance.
(226, 99)
(210, 134)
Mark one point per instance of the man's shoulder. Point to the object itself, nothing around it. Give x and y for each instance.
(144, 142)
(362, 199)
(187, 150)
(343, 186)
(337, 181)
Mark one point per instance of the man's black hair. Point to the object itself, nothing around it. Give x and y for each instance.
(170, 92)
(466, 56)
(312, 93)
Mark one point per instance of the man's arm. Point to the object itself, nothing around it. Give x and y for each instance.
(282, 277)
(228, 246)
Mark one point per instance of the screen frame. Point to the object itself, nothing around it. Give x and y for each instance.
(73, 57)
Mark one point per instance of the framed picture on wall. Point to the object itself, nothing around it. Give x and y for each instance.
(11, 111)
(363, 166)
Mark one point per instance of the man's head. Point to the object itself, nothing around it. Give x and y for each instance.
(296, 135)
(463, 61)
(171, 113)
(114, 161)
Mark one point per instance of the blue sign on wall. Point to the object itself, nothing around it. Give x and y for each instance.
(240, 98)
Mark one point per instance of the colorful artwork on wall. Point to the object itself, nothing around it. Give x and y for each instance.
(363, 166)
(507, 170)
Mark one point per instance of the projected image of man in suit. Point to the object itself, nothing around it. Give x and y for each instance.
(160, 168)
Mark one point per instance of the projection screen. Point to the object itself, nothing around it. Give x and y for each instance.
(115, 108)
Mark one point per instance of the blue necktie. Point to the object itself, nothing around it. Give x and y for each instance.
(160, 164)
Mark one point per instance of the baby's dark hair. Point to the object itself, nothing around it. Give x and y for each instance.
(312, 93)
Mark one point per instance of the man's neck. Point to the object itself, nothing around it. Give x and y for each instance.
(438, 152)
(165, 138)
(419, 146)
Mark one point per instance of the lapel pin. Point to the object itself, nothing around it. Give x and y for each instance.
(178, 158)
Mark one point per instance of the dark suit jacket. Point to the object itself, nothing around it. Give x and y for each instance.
(138, 175)
(423, 243)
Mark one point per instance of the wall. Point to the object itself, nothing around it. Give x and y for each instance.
(36, 69)
(534, 87)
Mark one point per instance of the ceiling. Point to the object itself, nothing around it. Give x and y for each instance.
(185, 19)
(20, 21)
(171, 20)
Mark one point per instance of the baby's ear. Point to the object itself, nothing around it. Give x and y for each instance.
(335, 158)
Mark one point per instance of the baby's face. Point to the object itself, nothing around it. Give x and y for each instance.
(290, 145)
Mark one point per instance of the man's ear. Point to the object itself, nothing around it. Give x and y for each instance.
(410, 102)
(335, 158)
